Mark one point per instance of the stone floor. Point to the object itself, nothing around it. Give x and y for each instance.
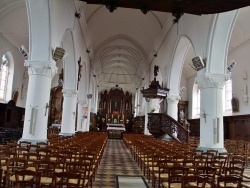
(116, 161)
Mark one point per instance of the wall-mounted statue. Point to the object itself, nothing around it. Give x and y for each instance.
(245, 93)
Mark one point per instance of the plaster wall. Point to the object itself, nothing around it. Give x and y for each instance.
(18, 71)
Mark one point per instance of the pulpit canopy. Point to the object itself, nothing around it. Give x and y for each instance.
(155, 90)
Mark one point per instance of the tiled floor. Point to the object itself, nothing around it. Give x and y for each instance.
(116, 160)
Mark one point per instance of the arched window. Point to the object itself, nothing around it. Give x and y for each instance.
(228, 95)
(4, 73)
(198, 97)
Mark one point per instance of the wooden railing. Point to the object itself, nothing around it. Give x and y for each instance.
(160, 124)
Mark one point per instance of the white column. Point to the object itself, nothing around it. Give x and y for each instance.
(89, 96)
(38, 96)
(211, 111)
(80, 115)
(96, 100)
(69, 112)
(172, 109)
(146, 131)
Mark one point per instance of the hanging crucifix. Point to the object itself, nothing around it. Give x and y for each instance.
(79, 71)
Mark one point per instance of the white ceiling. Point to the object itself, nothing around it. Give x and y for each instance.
(14, 22)
(121, 41)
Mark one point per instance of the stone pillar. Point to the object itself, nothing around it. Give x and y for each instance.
(146, 132)
(80, 115)
(69, 112)
(89, 96)
(211, 111)
(38, 96)
(172, 108)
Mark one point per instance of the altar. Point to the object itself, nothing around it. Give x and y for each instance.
(115, 131)
(116, 126)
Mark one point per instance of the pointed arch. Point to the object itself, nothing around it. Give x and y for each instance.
(182, 45)
(69, 64)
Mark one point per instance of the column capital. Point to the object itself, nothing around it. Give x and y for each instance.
(212, 80)
(43, 68)
(173, 99)
(69, 92)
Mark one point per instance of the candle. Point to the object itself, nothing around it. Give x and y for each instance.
(123, 116)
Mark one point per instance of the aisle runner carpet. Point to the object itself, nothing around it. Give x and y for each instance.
(131, 182)
(116, 161)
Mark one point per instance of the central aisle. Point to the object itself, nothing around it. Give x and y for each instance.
(116, 160)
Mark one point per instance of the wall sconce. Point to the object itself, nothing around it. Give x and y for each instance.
(89, 96)
(24, 51)
(58, 53)
(229, 69)
(198, 63)
(77, 15)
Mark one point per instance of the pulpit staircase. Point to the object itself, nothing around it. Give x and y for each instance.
(160, 124)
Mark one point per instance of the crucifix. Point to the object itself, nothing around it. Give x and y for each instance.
(46, 108)
(79, 71)
(204, 115)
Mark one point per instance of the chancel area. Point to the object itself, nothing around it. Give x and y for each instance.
(104, 92)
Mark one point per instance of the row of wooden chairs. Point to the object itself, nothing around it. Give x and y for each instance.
(155, 157)
(62, 154)
(179, 177)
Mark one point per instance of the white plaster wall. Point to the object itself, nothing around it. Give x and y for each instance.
(63, 18)
(242, 58)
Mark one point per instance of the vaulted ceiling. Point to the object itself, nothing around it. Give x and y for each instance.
(122, 42)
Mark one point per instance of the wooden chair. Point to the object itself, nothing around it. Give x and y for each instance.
(1, 177)
(43, 152)
(31, 158)
(200, 160)
(217, 165)
(175, 175)
(193, 181)
(27, 178)
(234, 170)
(46, 168)
(224, 160)
(162, 173)
(84, 169)
(229, 181)
(207, 172)
(190, 163)
(14, 164)
(215, 152)
(20, 151)
(66, 179)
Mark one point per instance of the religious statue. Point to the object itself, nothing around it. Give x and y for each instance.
(126, 105)
(182, 116)
(235, 104)
(156, 70)
(15, 96)
(245, 93)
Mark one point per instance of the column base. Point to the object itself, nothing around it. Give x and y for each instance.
(66, 134)
(33, 141)
(220, 150)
